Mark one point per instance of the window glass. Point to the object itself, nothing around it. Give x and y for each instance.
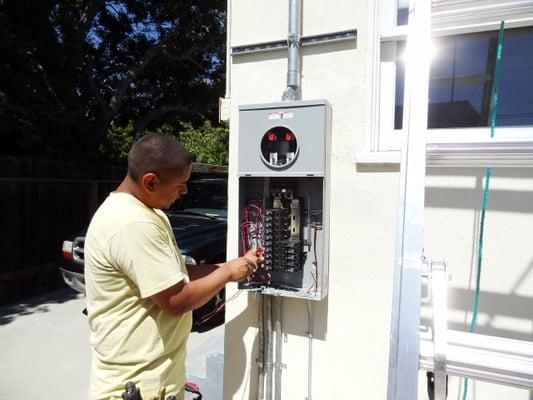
(461, 80)
(402, 13)
(516, 85)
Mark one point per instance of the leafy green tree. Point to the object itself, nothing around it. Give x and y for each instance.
(208, 143)
(118, 141)
(73, 71)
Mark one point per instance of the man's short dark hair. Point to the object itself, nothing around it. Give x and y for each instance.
(160, 154)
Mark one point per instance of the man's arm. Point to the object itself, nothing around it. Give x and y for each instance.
(184, 297)
(201, 270)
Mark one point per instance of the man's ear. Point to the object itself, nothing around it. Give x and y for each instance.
(150, 182)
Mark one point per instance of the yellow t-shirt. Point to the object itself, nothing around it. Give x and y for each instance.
(130, 255)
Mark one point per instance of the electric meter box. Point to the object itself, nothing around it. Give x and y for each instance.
(283, 171)
(266, 127)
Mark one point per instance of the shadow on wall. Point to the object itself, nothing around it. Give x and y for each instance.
(38, 304)
(492, 307)
(496, 309)
(235, 353)
(519, 201)
(280, 54)
(378, 168)
(295, 321)
(500, 200)
(296, 318)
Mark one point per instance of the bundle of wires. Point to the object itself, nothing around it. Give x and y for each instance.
(252, 230)
(219, 308)
(252, 235)
(316, 227)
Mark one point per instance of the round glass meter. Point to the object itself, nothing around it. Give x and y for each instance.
(279, 147)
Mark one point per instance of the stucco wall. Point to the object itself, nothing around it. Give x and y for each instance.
(351, 326)
(452, 224)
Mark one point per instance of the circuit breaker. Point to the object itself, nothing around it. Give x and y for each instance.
(283, 195)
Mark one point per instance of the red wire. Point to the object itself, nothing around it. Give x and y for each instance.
(252, 217)
(218, 309)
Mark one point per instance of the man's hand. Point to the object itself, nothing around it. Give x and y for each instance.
(242, 267)
(188, 296)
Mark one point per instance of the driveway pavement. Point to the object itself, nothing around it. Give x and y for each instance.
(44, 351)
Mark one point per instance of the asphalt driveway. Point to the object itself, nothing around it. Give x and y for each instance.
(44, 348)
(44, 351)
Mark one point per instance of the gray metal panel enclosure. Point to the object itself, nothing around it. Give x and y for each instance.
(305, 175)
(308, 120)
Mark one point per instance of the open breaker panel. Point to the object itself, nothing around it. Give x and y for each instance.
(283, 208)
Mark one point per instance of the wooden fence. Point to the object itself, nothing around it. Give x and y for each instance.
(42, 202)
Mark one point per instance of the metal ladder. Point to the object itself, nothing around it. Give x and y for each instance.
(442, 351)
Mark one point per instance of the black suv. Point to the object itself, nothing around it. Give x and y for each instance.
(199, 222)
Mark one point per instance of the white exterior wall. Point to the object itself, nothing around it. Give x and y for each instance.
(351, 326)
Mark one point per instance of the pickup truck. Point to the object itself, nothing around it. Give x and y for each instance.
(199, 222)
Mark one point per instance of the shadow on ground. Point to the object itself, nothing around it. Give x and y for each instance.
(37, 304)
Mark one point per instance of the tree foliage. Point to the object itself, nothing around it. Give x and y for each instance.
(208, 144)
(118, 141)
(82, 77)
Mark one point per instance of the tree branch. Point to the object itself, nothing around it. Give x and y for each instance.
(158, 113)
(88, 14)
(185, 56)
(47, 83)
(182, 58)
(138, 68)
(131, 75)
(97, 95)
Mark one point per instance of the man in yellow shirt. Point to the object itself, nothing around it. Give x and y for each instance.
(140, 293)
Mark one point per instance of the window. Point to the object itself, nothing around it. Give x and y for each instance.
(462, 70)
(462, 76)
(402, 12)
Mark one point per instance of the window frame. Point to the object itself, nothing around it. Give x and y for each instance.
(384, 35)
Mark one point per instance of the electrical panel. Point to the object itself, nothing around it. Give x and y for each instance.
(283, 202)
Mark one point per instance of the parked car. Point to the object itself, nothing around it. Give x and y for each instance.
(199, 222)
